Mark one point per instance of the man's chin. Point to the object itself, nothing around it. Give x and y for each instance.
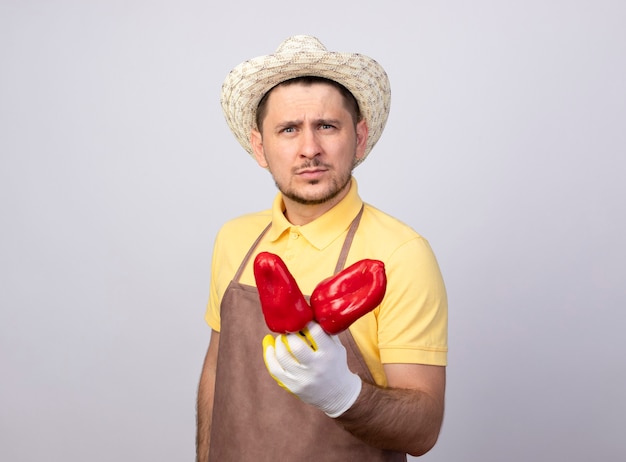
(312, 197)
(308, 200)
(315, 192)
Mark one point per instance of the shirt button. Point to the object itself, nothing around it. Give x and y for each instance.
(295, 235)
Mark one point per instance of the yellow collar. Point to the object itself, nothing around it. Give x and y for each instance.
(323, 230)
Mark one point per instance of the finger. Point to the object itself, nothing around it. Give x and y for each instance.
(314, 329)
(302, 346)
(269, 355)
(271, 362)
(285, 355)
(320, 337)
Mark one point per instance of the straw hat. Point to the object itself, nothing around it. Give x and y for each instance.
(303, 55)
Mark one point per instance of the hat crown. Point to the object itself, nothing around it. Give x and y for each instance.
(301, 43)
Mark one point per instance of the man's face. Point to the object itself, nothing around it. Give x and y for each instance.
(309, 143)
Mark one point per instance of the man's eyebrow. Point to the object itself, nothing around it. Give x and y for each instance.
(287, 124)
(326, 121)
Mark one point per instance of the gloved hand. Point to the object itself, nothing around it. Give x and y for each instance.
(313, 366)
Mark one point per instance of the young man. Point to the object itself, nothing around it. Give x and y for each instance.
(374, 392)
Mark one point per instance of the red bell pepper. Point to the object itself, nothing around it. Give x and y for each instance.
(284, 307)
(341, 299)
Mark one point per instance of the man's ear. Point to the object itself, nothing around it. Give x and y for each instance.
(361, 138)
(256, 141)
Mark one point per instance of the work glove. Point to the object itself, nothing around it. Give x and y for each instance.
(313, 366)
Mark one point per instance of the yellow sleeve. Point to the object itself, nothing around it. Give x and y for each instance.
(212, 315)
(413, 318)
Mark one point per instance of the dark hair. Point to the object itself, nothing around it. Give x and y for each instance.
(349, 100)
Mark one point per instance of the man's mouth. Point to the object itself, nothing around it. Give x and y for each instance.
(312, 168)
(311, 173)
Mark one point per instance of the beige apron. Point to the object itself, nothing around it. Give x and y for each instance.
(256, 420)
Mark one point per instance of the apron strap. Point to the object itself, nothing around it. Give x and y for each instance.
(343, 255)
(239, 272)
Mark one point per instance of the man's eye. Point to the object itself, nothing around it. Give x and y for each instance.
(326, 126)
(288, 130)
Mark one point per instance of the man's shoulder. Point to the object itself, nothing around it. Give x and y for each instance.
(250, 223)
(261, 217)
(381, 223)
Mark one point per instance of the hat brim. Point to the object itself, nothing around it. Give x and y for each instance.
(245, 86)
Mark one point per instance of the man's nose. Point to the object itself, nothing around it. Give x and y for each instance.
(310, 146)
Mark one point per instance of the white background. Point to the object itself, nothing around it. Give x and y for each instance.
(505, 147)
